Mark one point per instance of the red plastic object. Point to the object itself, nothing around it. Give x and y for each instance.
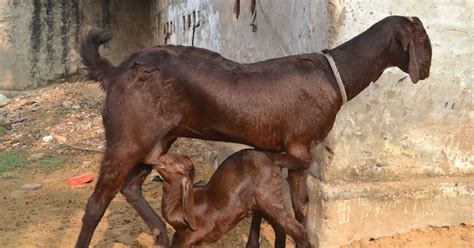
(81, 179)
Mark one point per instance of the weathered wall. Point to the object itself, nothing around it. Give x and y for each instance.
(280, 27)
(396, 130)
(36, 41)
(400, 155)
(342, 213)
(39, 38)
(130, 21)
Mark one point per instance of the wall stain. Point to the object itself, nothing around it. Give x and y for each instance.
(106, 17)
(77, 15)
(35, 39)
(49, 5)
(65, 36)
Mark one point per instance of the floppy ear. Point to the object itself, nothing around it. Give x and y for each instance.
(188, 203)
(413, 68)
(406, 39)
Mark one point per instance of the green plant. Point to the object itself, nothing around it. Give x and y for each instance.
(61, 112)
(3, 130)
(12, 159)
(51, 162)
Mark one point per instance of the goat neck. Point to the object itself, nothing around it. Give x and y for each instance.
(363, 59)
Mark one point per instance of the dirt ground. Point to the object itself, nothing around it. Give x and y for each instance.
(64, 121)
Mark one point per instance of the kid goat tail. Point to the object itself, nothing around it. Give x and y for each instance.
(98, 66)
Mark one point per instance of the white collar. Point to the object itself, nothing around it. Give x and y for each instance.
(342, 89)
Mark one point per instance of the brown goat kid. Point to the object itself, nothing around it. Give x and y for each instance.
(285, 104)
(248, 181)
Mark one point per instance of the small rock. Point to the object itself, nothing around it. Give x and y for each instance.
(67, 104)
(48, 138)
(31, 186)
(36, 156)
(86, 163)
(3, 100)
(87, 126)
(76, 106)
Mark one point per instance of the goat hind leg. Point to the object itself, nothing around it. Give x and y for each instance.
(132, 190)
(254, 235)
(280, 235)
(108, 184)
(282, 222)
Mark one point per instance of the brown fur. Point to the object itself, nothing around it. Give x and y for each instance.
(285, 104)
(248, 181)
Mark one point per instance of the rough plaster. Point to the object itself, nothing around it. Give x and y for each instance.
(390, 163)
(130, 22)
(342, 213)
(282, 27)
(394, 129)
(39, 38)
(37, 41)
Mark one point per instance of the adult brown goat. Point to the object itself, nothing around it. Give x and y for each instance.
(285, 104)
(247, 182)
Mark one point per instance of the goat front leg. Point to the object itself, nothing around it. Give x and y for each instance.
(297, 180)
(132, 190)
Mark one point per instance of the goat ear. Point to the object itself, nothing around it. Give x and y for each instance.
(413, 67)
(406, 39)
(188, 203)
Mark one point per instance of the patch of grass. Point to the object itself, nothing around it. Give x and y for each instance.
(11, 160)
(62, 112)
(3, 130)
(51, 162)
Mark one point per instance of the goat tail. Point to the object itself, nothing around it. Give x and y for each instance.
(288, 161)
(98, 66)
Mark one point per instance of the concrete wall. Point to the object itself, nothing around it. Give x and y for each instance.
(36, 41)
(280, 27)
(400, 155)
(39, 38)
(130, 21)
(396, 130)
